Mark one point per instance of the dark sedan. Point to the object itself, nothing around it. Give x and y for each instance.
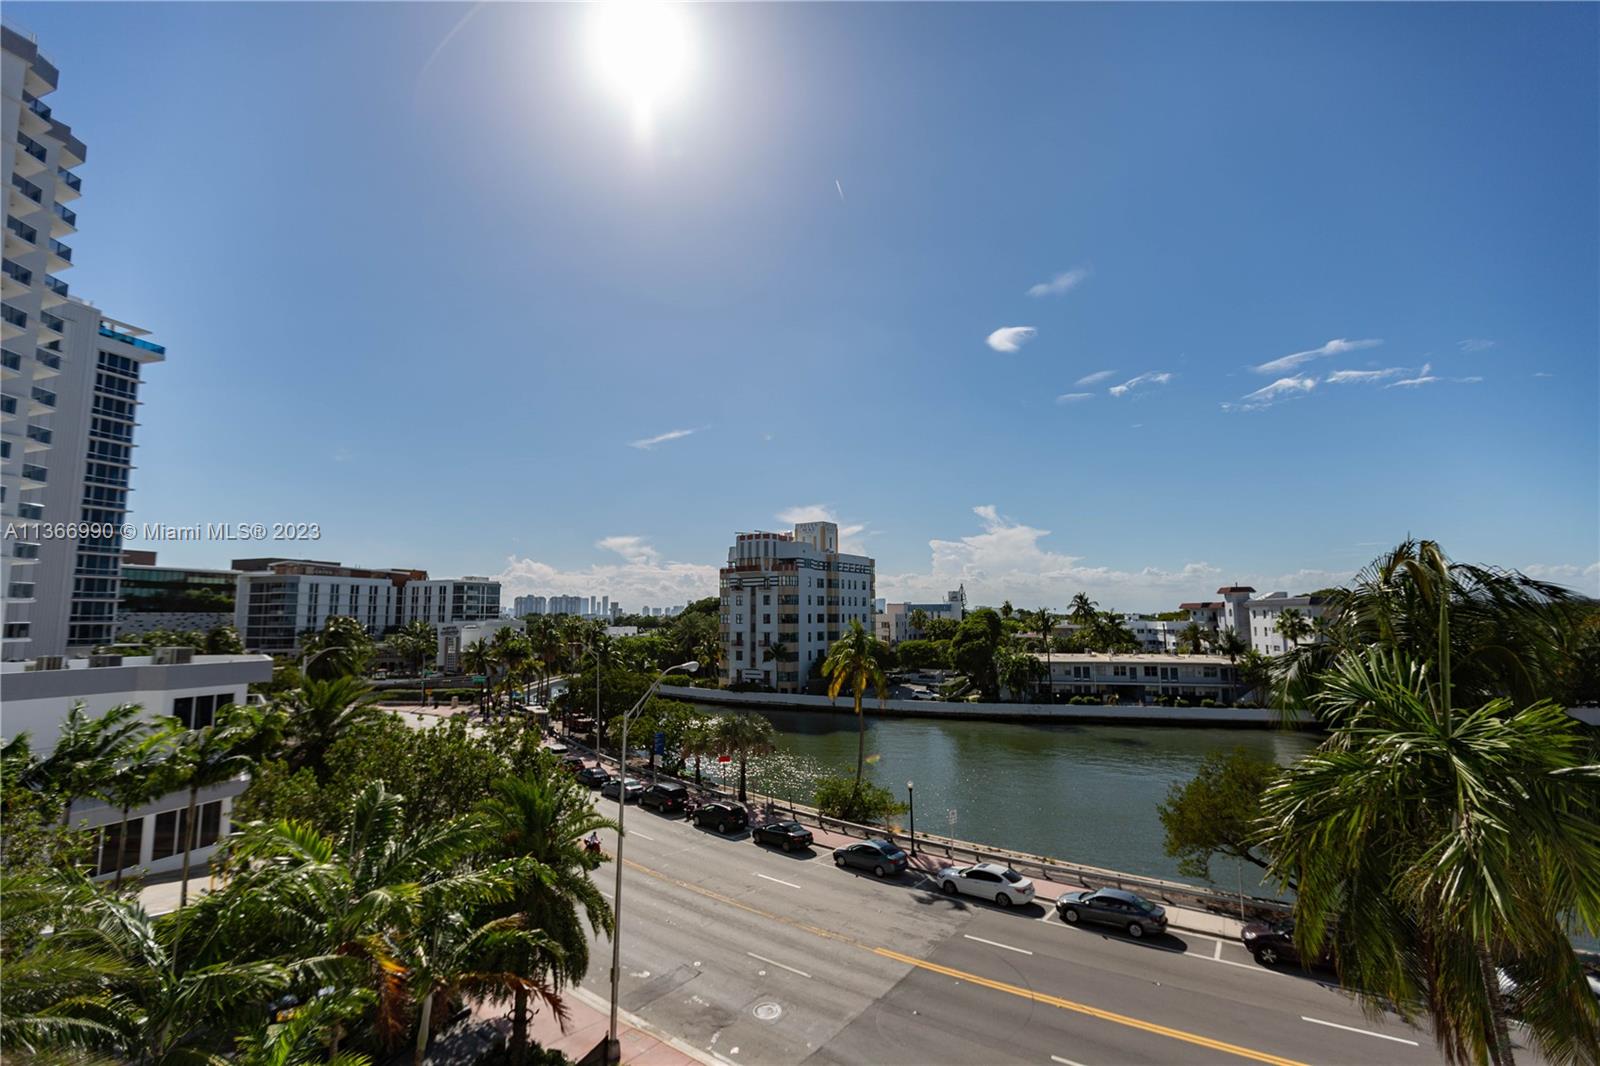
(1113, 906)
(723, 817)
(593, 776)
(881, 857)
(786, 835)
(1273, 943)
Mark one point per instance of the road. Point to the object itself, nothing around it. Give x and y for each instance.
(755, 956)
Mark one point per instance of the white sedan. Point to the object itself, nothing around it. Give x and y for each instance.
(987, 880)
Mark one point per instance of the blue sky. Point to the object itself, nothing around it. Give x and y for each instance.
(423, 283)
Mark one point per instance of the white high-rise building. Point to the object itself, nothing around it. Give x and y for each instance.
(786, 597)
(69, 381)
(446, 601)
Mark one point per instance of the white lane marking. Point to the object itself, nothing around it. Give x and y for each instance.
(997, 944)
(642, 836)
(1363, 1032)
(1064, 1062)
(779, 965)
(1217, 954)
(764, 877)
(603, 892)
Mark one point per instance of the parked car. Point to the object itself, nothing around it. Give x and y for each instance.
(1271, 943)
(573, 763)
(594, 776)
(615, 785)
(987, 880)
(668, 797)
(1113, 906)
(881, 857)
(723, 817)
(786, 835)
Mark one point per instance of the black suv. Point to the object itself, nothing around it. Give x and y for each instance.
(668, 797)
(723, 817)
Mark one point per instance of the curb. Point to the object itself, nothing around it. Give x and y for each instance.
(632, 1020)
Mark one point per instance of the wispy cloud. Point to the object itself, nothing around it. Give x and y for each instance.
(1425, 376)
(1475, 344)
(1074, 397)
(1060, 283)
(650, 442)
(1094, 379)
(1280, 390)
(1011, 338)
(1286, 363)
(636, 550)
(1150, 378)
(840, 187)
(1363, 377)
(635, 574)
(1543, 374)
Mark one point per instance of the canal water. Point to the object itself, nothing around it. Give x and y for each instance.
(1080, 793)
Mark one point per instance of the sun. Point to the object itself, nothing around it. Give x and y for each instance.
(640, 49)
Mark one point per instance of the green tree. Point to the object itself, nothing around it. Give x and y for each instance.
(1435, 847)
(1193, 638)
(1230, 644)
(1217, 812)
(1255, 674)
(1044, 620)
(481, 658)
(1019, 672)
(1083, 610)
(87, 751)
(321, 712)
(857, 660)
(142, 773)
(919, 623)
(341, 646)
(1006, 610)
(416, 643)
(1292, 627)
(840, 797)
(224, 640)
(204, 757)
(973, 650)
(742, 736)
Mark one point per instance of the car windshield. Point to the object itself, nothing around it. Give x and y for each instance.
(892, 852)
(1012, 876)
(1143, 904)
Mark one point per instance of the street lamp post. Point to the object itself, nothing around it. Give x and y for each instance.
(911, 802)
(613, 1044)
(307, 660)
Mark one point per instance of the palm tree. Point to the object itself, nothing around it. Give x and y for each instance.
(1437, 849)
(321, 712)
(919, 622)
(1230, 644)
(1193, 637)
(1292, 627)
(204, 757)
(699, 740)
(1083, 610)
(143, 773)
(1045, 622)
(1510, 635)
(776, 652)
(87, 750)
(1006, 610)
(416, 642)
(545, 818)
(743, 735)
(1018, 671)
(341, 646)
(858, 660)
(480, 658)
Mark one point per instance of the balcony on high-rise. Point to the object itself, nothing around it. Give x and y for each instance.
(64, 222)
(21, 238)
(60, 256)
(68, 185)
(31, 160)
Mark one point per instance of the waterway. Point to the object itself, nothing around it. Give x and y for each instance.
(1080, 793)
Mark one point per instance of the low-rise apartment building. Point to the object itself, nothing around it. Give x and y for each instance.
(1136, 677)
(39, 694)
(785, 598)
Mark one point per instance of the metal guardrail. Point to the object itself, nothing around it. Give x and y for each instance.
(1230, 904)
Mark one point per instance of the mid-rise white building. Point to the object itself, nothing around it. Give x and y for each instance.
(1255, 618)
(277, 600)
(39, 694)
(895, 622)
(69, 380)
(447, 601)
(795, 591)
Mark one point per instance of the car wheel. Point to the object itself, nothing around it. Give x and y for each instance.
(1135, 930)
(785, 845)
(838, 860)
(1070, 916)
(1003, 899)
(949, 888)
(722, 827)
(1266, 956)
(878, 870)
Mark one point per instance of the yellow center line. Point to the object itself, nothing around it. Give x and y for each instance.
(1093, 1012)
(972, 978)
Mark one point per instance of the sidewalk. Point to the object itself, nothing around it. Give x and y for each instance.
(588, 1021)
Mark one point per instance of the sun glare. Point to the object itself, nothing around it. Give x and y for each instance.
(640, 48)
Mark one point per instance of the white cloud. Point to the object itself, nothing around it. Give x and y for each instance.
(1074, 397)
(1542, 374)
(1476, 344)
(1425, 376)
(1094, 379)
(1334, 347)
(1267, 395)
(650, 442)
(850, 533)
(1584, 578)
(840, 187)
(1010, 338)
(641, 577)
(1363, 377)
(1060, 283)
(1143, 379)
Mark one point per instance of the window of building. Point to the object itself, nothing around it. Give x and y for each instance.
(118, 852)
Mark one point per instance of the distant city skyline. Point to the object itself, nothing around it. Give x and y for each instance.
(1037, 299)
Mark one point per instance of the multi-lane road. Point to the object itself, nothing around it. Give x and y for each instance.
(754, 956)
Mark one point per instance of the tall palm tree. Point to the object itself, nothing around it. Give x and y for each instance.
(1045, 622)
(86, 751)
(341, 646)
(481, 658)
(1435, 848)
(1083, 610)
(1231, 644)
(417, 642)
(858, 660)
(142, 774)
(699, 740)
(544, 817)
(1193, 637)
(919, 621)
(1006, 610)
(321, 712)
(776, 652)
(204, 757)
(744, 735)
(1292, 627)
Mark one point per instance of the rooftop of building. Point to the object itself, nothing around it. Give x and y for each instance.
(1224, 590)
(1151, 658)
(61, 664)
(1210, 605)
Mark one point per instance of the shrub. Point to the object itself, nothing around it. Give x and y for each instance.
(836, 797)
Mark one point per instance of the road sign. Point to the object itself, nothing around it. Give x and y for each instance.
(478, 679)
(724, 758)
(660, 746)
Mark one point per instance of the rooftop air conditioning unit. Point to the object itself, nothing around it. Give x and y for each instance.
(48, 662)
(105, 660)
(173, 656)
